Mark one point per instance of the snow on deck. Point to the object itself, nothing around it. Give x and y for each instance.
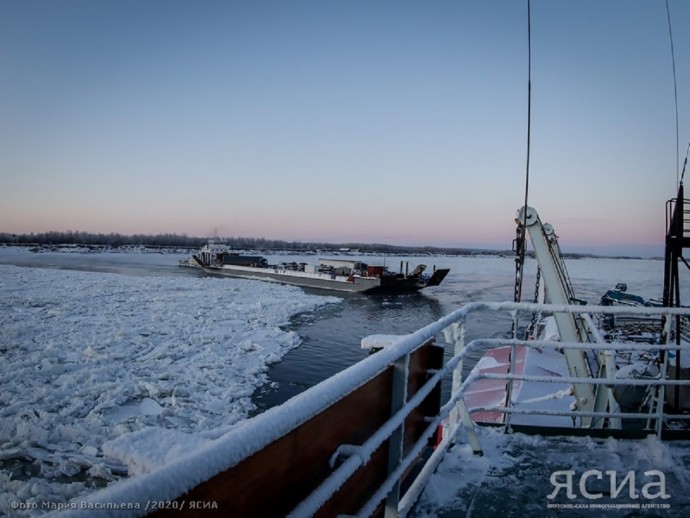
(524, 475)
(104, 374)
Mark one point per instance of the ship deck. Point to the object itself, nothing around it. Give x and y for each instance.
(514, 477)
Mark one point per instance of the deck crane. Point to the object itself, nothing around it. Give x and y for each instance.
(558, 290)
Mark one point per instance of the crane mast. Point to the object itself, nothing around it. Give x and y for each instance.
(558, 290)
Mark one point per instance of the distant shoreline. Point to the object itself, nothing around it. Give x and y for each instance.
(129, 244)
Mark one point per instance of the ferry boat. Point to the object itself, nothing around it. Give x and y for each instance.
(329, 274)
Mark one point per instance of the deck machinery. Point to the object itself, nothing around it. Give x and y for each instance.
(557, 289)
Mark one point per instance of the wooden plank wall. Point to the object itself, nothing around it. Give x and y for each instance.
(276, 479)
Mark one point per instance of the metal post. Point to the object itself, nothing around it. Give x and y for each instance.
(661, 389)
(509, 388)
(395, 443)
(455, 334)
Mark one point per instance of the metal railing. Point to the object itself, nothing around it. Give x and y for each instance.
(259, 432)
(460, 414)
(678, 221)
(455, 409)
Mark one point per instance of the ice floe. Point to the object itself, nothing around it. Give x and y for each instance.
(104, 375)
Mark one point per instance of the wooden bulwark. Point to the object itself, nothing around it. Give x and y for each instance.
(273, 481)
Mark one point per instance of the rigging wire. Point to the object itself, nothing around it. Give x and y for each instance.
(685, 163)
(675, 91)
(529, 102)
(520, 260)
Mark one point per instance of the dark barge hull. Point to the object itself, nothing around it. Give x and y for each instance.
(352, 284)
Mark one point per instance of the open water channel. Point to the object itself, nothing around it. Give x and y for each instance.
(331, 336)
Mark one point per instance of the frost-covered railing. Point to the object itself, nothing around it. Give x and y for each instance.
(206, 475)
(460, 414)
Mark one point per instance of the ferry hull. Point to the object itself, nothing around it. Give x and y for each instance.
(331, 274)
(324, 281)
(352, 284)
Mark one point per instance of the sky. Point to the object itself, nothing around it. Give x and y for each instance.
(399, 122)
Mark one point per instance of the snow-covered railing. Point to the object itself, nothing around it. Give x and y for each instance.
(211, 467)
(460, 415)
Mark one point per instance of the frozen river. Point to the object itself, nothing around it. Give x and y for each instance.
(99, 350)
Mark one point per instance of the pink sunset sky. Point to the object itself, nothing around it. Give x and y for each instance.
(388, 122)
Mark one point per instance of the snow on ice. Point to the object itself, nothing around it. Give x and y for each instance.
(104, 374)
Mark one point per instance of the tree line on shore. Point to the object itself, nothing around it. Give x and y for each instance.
(115, 240)
(90, 239)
